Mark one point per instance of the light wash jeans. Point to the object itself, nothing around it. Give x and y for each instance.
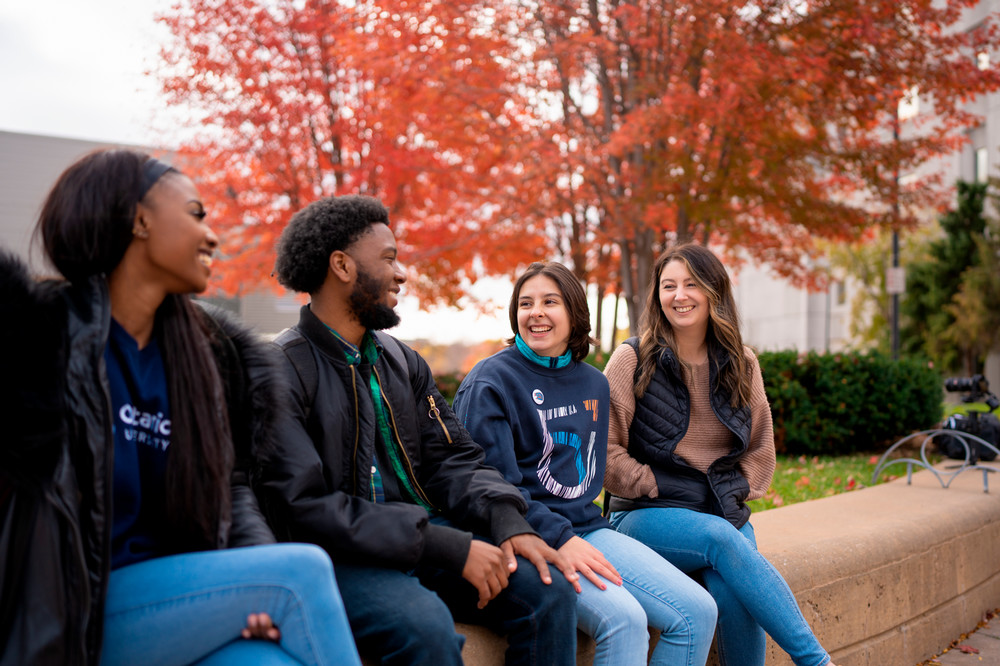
(653, 593)
(190, 608)
(751, 595)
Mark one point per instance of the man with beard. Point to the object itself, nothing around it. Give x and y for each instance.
(373, 466)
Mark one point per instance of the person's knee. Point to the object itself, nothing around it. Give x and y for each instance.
(632, 619)
(552, 604)
(308, 567)
(305, 559)
(558, 595)
(702, 608)
(417, 629)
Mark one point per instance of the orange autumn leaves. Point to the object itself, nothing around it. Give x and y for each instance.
(500, 132)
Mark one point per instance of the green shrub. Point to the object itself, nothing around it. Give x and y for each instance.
(448, 384)
(846, 402)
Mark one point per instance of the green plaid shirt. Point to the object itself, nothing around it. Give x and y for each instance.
(369, 352)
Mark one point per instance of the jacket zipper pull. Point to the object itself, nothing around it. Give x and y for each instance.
(435, 415)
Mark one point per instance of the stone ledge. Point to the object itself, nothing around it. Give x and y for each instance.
(893, 573)
(886, 575)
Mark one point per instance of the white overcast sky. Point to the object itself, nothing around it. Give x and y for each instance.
(76, 68)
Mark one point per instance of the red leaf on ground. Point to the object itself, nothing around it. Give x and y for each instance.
(967, 649)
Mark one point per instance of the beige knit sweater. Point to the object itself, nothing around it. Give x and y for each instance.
(706, 439)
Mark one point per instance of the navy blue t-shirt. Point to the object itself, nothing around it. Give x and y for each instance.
(142, 426)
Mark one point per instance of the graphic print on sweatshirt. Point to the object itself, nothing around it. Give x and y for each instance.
(568, 465)
(144, 427)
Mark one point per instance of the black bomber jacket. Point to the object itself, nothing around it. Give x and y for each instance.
(316, 484)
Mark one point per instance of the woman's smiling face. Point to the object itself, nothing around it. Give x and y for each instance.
(542, 319)
(684, 303)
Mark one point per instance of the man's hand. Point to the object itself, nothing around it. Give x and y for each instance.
(259, 625)
(536, 551)
(484, 568)
(590, 562)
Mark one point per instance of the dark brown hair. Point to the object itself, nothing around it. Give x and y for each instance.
(574, 298)
(723, 322)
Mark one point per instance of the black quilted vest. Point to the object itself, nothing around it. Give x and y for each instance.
(660, 421)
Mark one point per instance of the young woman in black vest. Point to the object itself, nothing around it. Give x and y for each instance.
(690, 442)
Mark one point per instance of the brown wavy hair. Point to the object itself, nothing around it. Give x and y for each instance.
(723, 323)
(574, 298)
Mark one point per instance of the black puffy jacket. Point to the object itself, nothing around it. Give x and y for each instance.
(316, 484)
(56, 460)
(660, 422)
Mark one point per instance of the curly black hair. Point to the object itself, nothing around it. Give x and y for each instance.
(319, 230)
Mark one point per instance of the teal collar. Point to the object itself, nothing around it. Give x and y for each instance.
(544, 361)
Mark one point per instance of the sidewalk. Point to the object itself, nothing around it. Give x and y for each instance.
(979, 648)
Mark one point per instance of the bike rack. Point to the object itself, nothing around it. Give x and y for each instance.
(944, 478)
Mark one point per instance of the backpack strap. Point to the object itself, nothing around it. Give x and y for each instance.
(391, 345)
(296, 349)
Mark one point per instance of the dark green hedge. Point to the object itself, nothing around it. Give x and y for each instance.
(840, 403)
(833, 403)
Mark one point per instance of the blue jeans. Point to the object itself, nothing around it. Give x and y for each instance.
(751, 595)
(653, 593)
(190, 608)
(408, 618)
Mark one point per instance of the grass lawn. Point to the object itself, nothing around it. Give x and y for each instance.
(801, 478)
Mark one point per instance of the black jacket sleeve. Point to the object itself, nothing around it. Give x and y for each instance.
(453, 467)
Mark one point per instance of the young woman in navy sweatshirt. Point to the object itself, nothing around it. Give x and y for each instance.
(541, 414)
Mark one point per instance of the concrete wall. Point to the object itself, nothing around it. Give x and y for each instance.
(889, 574)
(776, 315)
(29, 165)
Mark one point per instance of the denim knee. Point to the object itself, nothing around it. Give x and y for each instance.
(702, 609)
(309, 562)
(630, 619)
(560, 592)
(423, 634)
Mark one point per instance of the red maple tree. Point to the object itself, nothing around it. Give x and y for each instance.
(596, 132)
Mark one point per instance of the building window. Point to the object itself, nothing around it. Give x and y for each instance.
(841, 292)
(982, 165)
(909, 104)
(289, 302)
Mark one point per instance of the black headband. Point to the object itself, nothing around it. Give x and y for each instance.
(152, 170)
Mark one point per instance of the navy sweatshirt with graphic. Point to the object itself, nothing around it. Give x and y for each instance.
(546, 430)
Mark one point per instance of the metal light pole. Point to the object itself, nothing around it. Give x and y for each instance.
(894, 285)
(895, 268)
